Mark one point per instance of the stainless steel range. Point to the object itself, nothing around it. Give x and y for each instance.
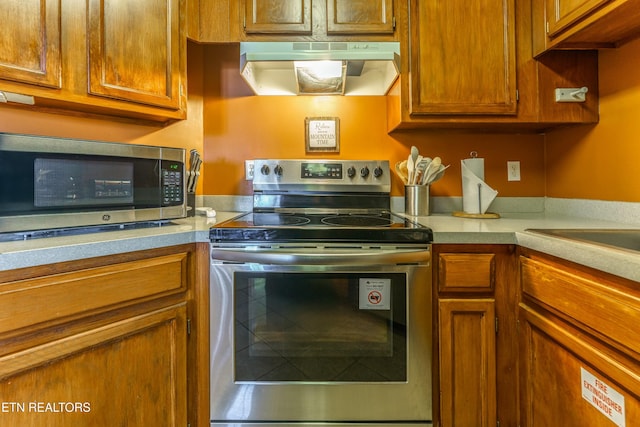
(321, 308)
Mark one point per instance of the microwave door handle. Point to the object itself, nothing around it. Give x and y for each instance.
(331, 257)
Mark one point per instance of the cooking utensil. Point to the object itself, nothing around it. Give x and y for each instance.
(437, 175)
(411, 163)
(403, 173)
(432, 170)
(420, 170)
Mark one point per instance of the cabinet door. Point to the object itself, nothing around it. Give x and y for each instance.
(128, 373)
(467, 362)
(562, 13)
(277, 16)
(463, 57)
(30, 43)
(135, 49)
(360, 16)
(567, 378)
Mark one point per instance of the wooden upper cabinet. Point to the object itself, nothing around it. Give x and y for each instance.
(584, 24)
(277, 16)
(463, 57)
(30, 47)
(360, 16)
(134, 51)
(562, 13)
(315, 20)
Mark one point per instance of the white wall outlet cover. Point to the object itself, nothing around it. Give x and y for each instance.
(513, 170)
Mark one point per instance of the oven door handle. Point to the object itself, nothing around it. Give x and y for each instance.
(323, 257)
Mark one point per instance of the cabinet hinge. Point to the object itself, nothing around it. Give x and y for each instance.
(517, 95)
(547, 27)
(188, 326)
(496, 325)
(393, 22)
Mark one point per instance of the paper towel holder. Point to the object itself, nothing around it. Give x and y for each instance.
(486, 215)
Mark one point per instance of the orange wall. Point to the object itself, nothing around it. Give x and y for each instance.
(601, 162)
(239, 126)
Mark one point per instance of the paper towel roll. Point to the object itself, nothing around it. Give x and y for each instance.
(476, 194)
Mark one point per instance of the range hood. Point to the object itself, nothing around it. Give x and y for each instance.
(320, 68)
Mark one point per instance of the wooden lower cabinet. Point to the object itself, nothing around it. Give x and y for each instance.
(103, 342)
(132, 372)
(467, 362)
(476, 294)
(579, 359)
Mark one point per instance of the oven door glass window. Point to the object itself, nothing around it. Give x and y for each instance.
(320, 327)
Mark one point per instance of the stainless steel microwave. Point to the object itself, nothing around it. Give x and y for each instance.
(50, 183)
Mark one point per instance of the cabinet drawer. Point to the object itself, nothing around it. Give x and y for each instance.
(601, 306)
(466, 272)
(32, 301)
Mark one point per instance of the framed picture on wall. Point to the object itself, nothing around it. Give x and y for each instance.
(322, 134)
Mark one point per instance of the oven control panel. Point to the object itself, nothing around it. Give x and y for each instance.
(368, 175)
(313, 170)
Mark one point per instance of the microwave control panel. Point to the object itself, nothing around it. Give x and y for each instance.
(172, 184)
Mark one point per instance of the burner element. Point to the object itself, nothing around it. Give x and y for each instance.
(278, 219)
(357, 221)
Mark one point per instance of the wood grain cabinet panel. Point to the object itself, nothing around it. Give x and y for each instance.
(134, 51)
(471, 66)
(476, 335)
(466, 272)
(54, 297)
(578, 347)
(360, 16)
(277, 16)
(463, 72)
(467, 362)
(584, 301)
(584, 24)
(562, 13)
(131, 372)
(300, 20)
(30, 46)
(113, 338)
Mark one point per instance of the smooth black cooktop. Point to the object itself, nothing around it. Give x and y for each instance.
(380, 227)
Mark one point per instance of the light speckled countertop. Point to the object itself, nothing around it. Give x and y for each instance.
(29, 253)
(509, 229)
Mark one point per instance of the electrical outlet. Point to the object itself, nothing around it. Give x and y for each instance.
(248, 170)
(513, 171)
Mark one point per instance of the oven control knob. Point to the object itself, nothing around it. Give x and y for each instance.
(364, 172)
(265, 170)
(377, 172)
(351, 172)
(278, 170)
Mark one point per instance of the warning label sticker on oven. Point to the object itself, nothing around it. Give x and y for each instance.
(375, 294)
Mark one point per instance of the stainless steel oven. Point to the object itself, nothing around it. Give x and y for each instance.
(321, 315)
